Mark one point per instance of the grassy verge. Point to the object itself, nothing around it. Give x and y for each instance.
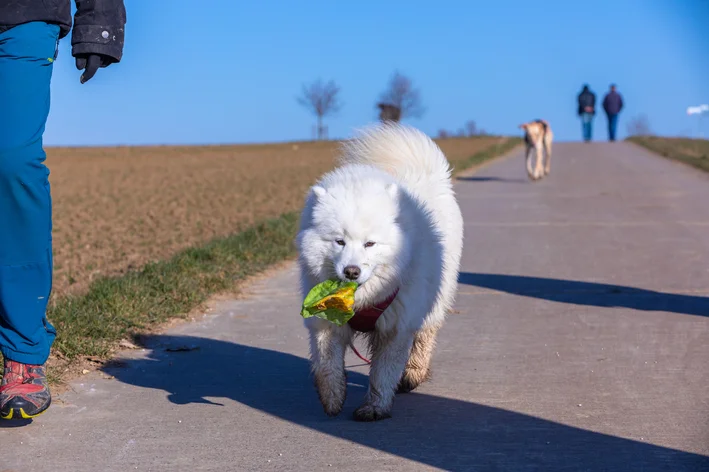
(694, 152)
(117, 308)
(497, 149)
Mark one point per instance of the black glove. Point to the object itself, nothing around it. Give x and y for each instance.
(90, 63)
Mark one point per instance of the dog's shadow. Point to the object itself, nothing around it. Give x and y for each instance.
(476, 178)
(436, 431)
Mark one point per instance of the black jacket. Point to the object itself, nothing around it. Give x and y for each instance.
(98, 24)
(586, 99)
(613, 103)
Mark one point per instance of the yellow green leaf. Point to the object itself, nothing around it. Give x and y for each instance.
(332, 300)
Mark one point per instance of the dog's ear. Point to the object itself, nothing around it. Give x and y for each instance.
(319, 191)
(523, 126)
(393, 190)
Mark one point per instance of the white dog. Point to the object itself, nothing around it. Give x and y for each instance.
(389, 220)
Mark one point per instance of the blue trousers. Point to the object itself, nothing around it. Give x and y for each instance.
(612, 125)
(587, 126)
(27, 54)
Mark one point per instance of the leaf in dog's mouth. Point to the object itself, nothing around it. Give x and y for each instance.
(332, 300)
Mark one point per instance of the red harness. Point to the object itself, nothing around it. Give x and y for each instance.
(364, 320)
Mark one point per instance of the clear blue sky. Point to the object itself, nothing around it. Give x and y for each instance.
(228, 72)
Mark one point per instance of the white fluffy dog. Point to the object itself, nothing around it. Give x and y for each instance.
(388, 219)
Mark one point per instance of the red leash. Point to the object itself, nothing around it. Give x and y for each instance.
(359, 355)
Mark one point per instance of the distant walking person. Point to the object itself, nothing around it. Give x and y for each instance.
(586, 110)
(612, 104)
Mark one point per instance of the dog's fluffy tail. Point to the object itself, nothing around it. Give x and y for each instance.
(404, 152)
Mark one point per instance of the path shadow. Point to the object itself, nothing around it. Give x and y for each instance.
(15, 423)
(436, 431)
(475, 178)
(589, 293)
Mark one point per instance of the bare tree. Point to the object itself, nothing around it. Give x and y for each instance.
(639, 126)
(401, 94)
(471, 128)
(322, 100)
(443, 134)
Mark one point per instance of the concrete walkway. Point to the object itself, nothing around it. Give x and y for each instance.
(580, 342)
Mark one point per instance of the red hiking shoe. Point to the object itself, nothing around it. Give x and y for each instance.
(24, 392)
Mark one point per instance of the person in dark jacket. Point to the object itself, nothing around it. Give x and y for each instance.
(30, 31)
(612, 104)
(586, 110)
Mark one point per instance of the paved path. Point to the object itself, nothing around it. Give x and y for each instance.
(580, 342)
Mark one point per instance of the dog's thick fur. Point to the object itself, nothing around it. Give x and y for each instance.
(538, 137)
(393, 189)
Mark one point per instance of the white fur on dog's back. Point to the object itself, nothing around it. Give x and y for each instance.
(407, 154)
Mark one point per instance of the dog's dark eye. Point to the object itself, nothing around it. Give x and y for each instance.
(369, 244)
(341, 242)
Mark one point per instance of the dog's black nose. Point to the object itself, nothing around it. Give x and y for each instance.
(352, 272)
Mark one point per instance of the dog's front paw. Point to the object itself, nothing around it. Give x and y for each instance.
(332, 405)
(332, 395)
(369, 412)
